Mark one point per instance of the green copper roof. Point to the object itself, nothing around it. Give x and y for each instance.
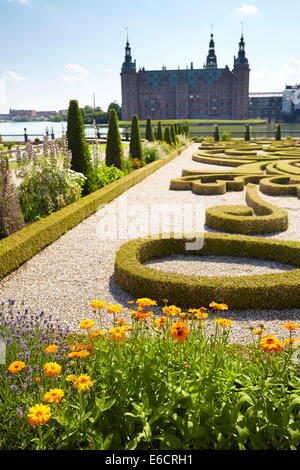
(209, 76)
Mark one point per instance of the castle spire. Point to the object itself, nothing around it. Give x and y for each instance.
(211, 61)
(241, 58)
(128, 63)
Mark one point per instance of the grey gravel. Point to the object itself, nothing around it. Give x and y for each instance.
(79, 267)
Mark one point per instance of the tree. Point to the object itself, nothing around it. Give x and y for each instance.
(135, 148)
(247, 132)
(167, 136)
(173, 135)
(11, 218)
(149, 131)
(216, 134)
(160, 132)
(81, 159)
(115, 105)
(175, 129)
(114, 148)
(278, 132)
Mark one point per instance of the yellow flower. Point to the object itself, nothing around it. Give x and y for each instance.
(96, 333)
(86, 324)
(83, 383)
(117, 332)
(179, 331)
(185, 316)
(16, 366)
(216, 306)
(172, 310)
(52, 369)
(114, 309)
(270, 343)
(97, 304)
(223, 322)
(201, 315)
(121, 322)
(71, 378)
(290, 326)
(38, 414)
(142, 316)
(50, 349)
(258, 332)
(54, 395)
(291, 341)
(160, 322)
(145, 302)
(37, 379)
(82, 353)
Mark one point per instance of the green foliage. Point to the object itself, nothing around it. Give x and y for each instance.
(173, 135)
(114, 149)
(107, 174)
(152, 152)
(150, 392)
(160, 132)
(247, 133)
(167, 136)
(216, 134)
(135, 148)
(81, 158)
(226, 136)
(149, 131)
(277, 291)
(278, 132)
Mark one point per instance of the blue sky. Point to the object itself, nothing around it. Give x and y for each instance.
(56, 50)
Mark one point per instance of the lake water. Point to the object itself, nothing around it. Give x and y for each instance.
(15, 130)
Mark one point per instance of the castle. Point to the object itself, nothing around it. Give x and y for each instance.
(208, 93)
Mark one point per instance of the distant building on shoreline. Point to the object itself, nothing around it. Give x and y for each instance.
(291, 103)
(189, 93)
(266, 106)
(17, 114)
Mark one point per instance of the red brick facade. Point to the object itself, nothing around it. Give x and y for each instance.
(190, 93)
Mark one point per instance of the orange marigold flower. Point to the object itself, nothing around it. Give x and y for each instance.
(52, 369)
(142, 316)
(86, 324)
(160, 322)
(121, 322)
(16, 366)
(197, 310)
(179, 331)
(185, 316)
(258, 332)
(83, 346)
(95, 304)
(290, 326)
(217, 306)
(270, 343)
(50, 349)
(37, 379)
(117, 333)
(291, 341)
(171, 310)
(223, 322)
(201, 315)
(130, 302)
(38, 414)
(71, 378)
(114, 309)
(145, 302)
(96, 333)
(83, 383)
(54, 395)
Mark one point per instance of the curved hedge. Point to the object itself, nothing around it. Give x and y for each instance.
(27, 242)
(276, 291)
(240, 219)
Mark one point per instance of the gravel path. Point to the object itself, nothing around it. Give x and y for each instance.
(67, 275)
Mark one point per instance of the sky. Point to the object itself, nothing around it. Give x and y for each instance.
(56, 50)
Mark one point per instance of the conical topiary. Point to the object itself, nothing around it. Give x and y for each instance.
(114, 149)
(135, 148)
(173, 135)
(278, 132)
(167, 136)
(247, 132)
(81, 158)
(149, 131)
(216, 134)
(160, 135)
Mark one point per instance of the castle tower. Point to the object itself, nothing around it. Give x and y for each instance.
(211, 61)
(129, 85)
(240, 84)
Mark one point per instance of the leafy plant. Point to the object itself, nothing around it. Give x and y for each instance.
(107, 174)
(226, 136)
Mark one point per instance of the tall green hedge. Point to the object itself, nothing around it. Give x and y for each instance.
(135, 148)
(149, 131)
(114, 149)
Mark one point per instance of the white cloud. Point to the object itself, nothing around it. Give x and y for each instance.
(247, 9)
(22, 2)
(2, 92)
(266, 79)
(12, 76)
(71, 78)
(75, 68)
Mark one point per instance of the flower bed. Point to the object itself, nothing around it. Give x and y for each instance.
(160, 382)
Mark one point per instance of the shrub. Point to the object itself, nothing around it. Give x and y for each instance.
(11, 218)
(247, 133)
(167, 136)
(81, 159)
(226, 136)
(114, 149)
(216, 134)
(278, 132)
(135, 148)
(160, 132)
(149, 131)
(173, 135)
(152, 152)
(107, 174)
(208, 138)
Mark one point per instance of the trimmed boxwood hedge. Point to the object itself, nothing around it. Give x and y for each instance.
(267, 291)
(24, 244)
(240, 219)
